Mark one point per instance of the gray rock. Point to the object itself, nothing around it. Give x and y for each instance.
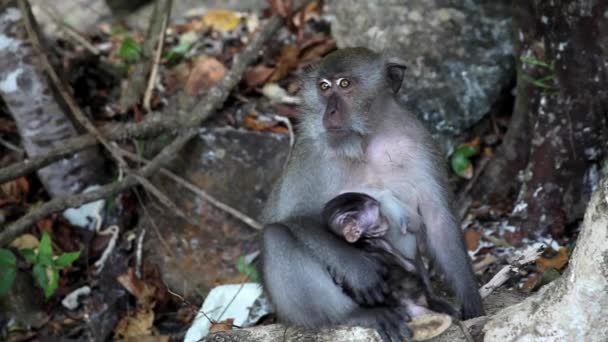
(459, 53)
(235, 167)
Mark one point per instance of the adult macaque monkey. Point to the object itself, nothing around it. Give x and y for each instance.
(354, 135)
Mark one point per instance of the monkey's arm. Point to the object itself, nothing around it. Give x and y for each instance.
(359, 273)
(445, 242)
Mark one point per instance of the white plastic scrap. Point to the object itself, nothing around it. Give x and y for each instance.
(71, 302)
(85, 215)
(224, 302)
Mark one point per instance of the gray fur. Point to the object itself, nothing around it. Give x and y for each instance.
(312, 277)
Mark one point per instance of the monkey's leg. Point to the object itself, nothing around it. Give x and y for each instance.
(299, 286)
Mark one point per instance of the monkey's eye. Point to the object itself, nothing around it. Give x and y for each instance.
(324, 85)
(343, 83)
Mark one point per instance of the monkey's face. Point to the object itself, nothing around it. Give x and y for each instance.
(341, 99)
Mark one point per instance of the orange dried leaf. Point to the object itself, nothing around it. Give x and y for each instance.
(472, 239)
(559, 261)
(206, 72)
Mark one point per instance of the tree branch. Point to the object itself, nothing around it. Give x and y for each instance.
(208, 104)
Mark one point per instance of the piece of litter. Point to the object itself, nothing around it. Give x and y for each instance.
(224, 302)
(84, 216)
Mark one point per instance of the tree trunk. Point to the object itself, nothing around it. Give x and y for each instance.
(562, 90)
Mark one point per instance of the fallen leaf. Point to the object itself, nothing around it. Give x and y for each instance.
(558, 261)
(548, 276)
(275, 93)
(15, 189)
(472, 239)
(429, 325)
(288, 60)
(26, 241)
(316, 50)
(281, 7)
(206, 72)
(221, 20)
(222, 326)
(530, 284)
(258, 75)
(312, 9)
(145, 292)
(137, 323)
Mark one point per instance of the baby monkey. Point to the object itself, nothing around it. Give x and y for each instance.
(361, 219)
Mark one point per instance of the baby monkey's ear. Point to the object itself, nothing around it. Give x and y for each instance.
(395, 72)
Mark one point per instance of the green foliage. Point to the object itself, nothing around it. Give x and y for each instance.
(45, 268)
(129, 51)
(546, 82)
(247, 269)
(460, 161)
(178, 52)
(8, 270)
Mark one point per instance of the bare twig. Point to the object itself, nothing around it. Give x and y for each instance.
(208, 104)
(202, 193)
(136, 84)
(156, 62)
(508, 271)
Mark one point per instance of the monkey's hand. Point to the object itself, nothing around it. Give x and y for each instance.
(364, 278)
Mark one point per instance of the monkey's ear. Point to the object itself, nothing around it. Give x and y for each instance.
(395, 72)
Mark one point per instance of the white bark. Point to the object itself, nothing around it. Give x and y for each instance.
(574, 307)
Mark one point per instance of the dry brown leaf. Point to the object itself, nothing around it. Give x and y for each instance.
(206, 72)
(146, 293)
(257, 75)
(222, 326)
(221, 20)
(15, 189)
(429, 325)
(281, 7)
(529, 285)
(472, 239)
(315, 51)
(286, 62)
(137, 323)
(559, 261)
(24, 241)
(312, 9)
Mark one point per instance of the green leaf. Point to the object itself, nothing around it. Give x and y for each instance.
(129, 50)
(460, 164)
(52, 284)
(7, 258)
(8, 270)
(44, 248)
(39, 273)
(538, 62)
(178, 52)
(29, 255)
(67, 259)
(247, 269)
